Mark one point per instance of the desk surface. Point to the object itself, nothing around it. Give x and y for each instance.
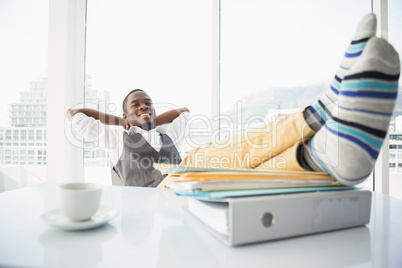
(152, 229)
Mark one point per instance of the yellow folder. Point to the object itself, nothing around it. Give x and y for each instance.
(234, 179)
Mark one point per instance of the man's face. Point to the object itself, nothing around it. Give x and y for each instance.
(139, 108)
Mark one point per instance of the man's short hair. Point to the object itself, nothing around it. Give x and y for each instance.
(125, 99)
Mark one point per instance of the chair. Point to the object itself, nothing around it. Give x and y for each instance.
(115, 177)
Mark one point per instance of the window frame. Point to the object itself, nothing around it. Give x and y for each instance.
(381, 170)
(66, 76)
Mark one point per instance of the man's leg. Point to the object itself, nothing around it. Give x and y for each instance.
(249, 150)
(349, 143)
(287, 160)
(321, 110)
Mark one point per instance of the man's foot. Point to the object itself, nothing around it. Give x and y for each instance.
(350, 141)
(321, 110)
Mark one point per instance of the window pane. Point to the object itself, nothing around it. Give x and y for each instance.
(395, 140)
(279, 56)
(162, 47)
(23, 72)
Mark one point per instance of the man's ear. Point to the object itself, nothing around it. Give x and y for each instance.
(126, 123)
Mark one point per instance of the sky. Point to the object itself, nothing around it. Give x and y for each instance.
(146, 45)
(165, 47)
(23, 48)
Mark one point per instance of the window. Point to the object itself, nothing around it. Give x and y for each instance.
(167, 53)
(275, 55)
(279, 56)
(246, 63)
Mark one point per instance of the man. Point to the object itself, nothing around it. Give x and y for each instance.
(341, 133)
(140, 142)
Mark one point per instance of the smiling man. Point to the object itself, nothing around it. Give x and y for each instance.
(142, 139)
(139, 110)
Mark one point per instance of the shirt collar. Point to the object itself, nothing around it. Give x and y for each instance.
(158, 129)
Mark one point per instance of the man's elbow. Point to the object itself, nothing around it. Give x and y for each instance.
(71, 113)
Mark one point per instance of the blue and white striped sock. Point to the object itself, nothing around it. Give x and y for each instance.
(321, 110)
(348, 145)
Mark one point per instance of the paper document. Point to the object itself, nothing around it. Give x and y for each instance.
(187, 169)
(196, 179)
(216, 195)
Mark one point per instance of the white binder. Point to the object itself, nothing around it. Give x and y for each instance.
(270, 217)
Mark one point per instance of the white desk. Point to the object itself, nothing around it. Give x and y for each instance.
(153, 230)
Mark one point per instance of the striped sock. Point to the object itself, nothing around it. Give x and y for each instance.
(320, 111)
(350, 141)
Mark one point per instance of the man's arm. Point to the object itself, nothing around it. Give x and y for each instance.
(105, 118)
(169, 116)
(108, 119)
(90, 125)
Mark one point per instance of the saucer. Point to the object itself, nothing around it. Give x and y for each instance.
(54, 218)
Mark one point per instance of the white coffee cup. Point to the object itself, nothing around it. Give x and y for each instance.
(79, 201)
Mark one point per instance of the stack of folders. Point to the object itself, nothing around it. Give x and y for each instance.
(241, 206)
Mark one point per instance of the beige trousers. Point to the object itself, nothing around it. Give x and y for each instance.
(272, 147)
